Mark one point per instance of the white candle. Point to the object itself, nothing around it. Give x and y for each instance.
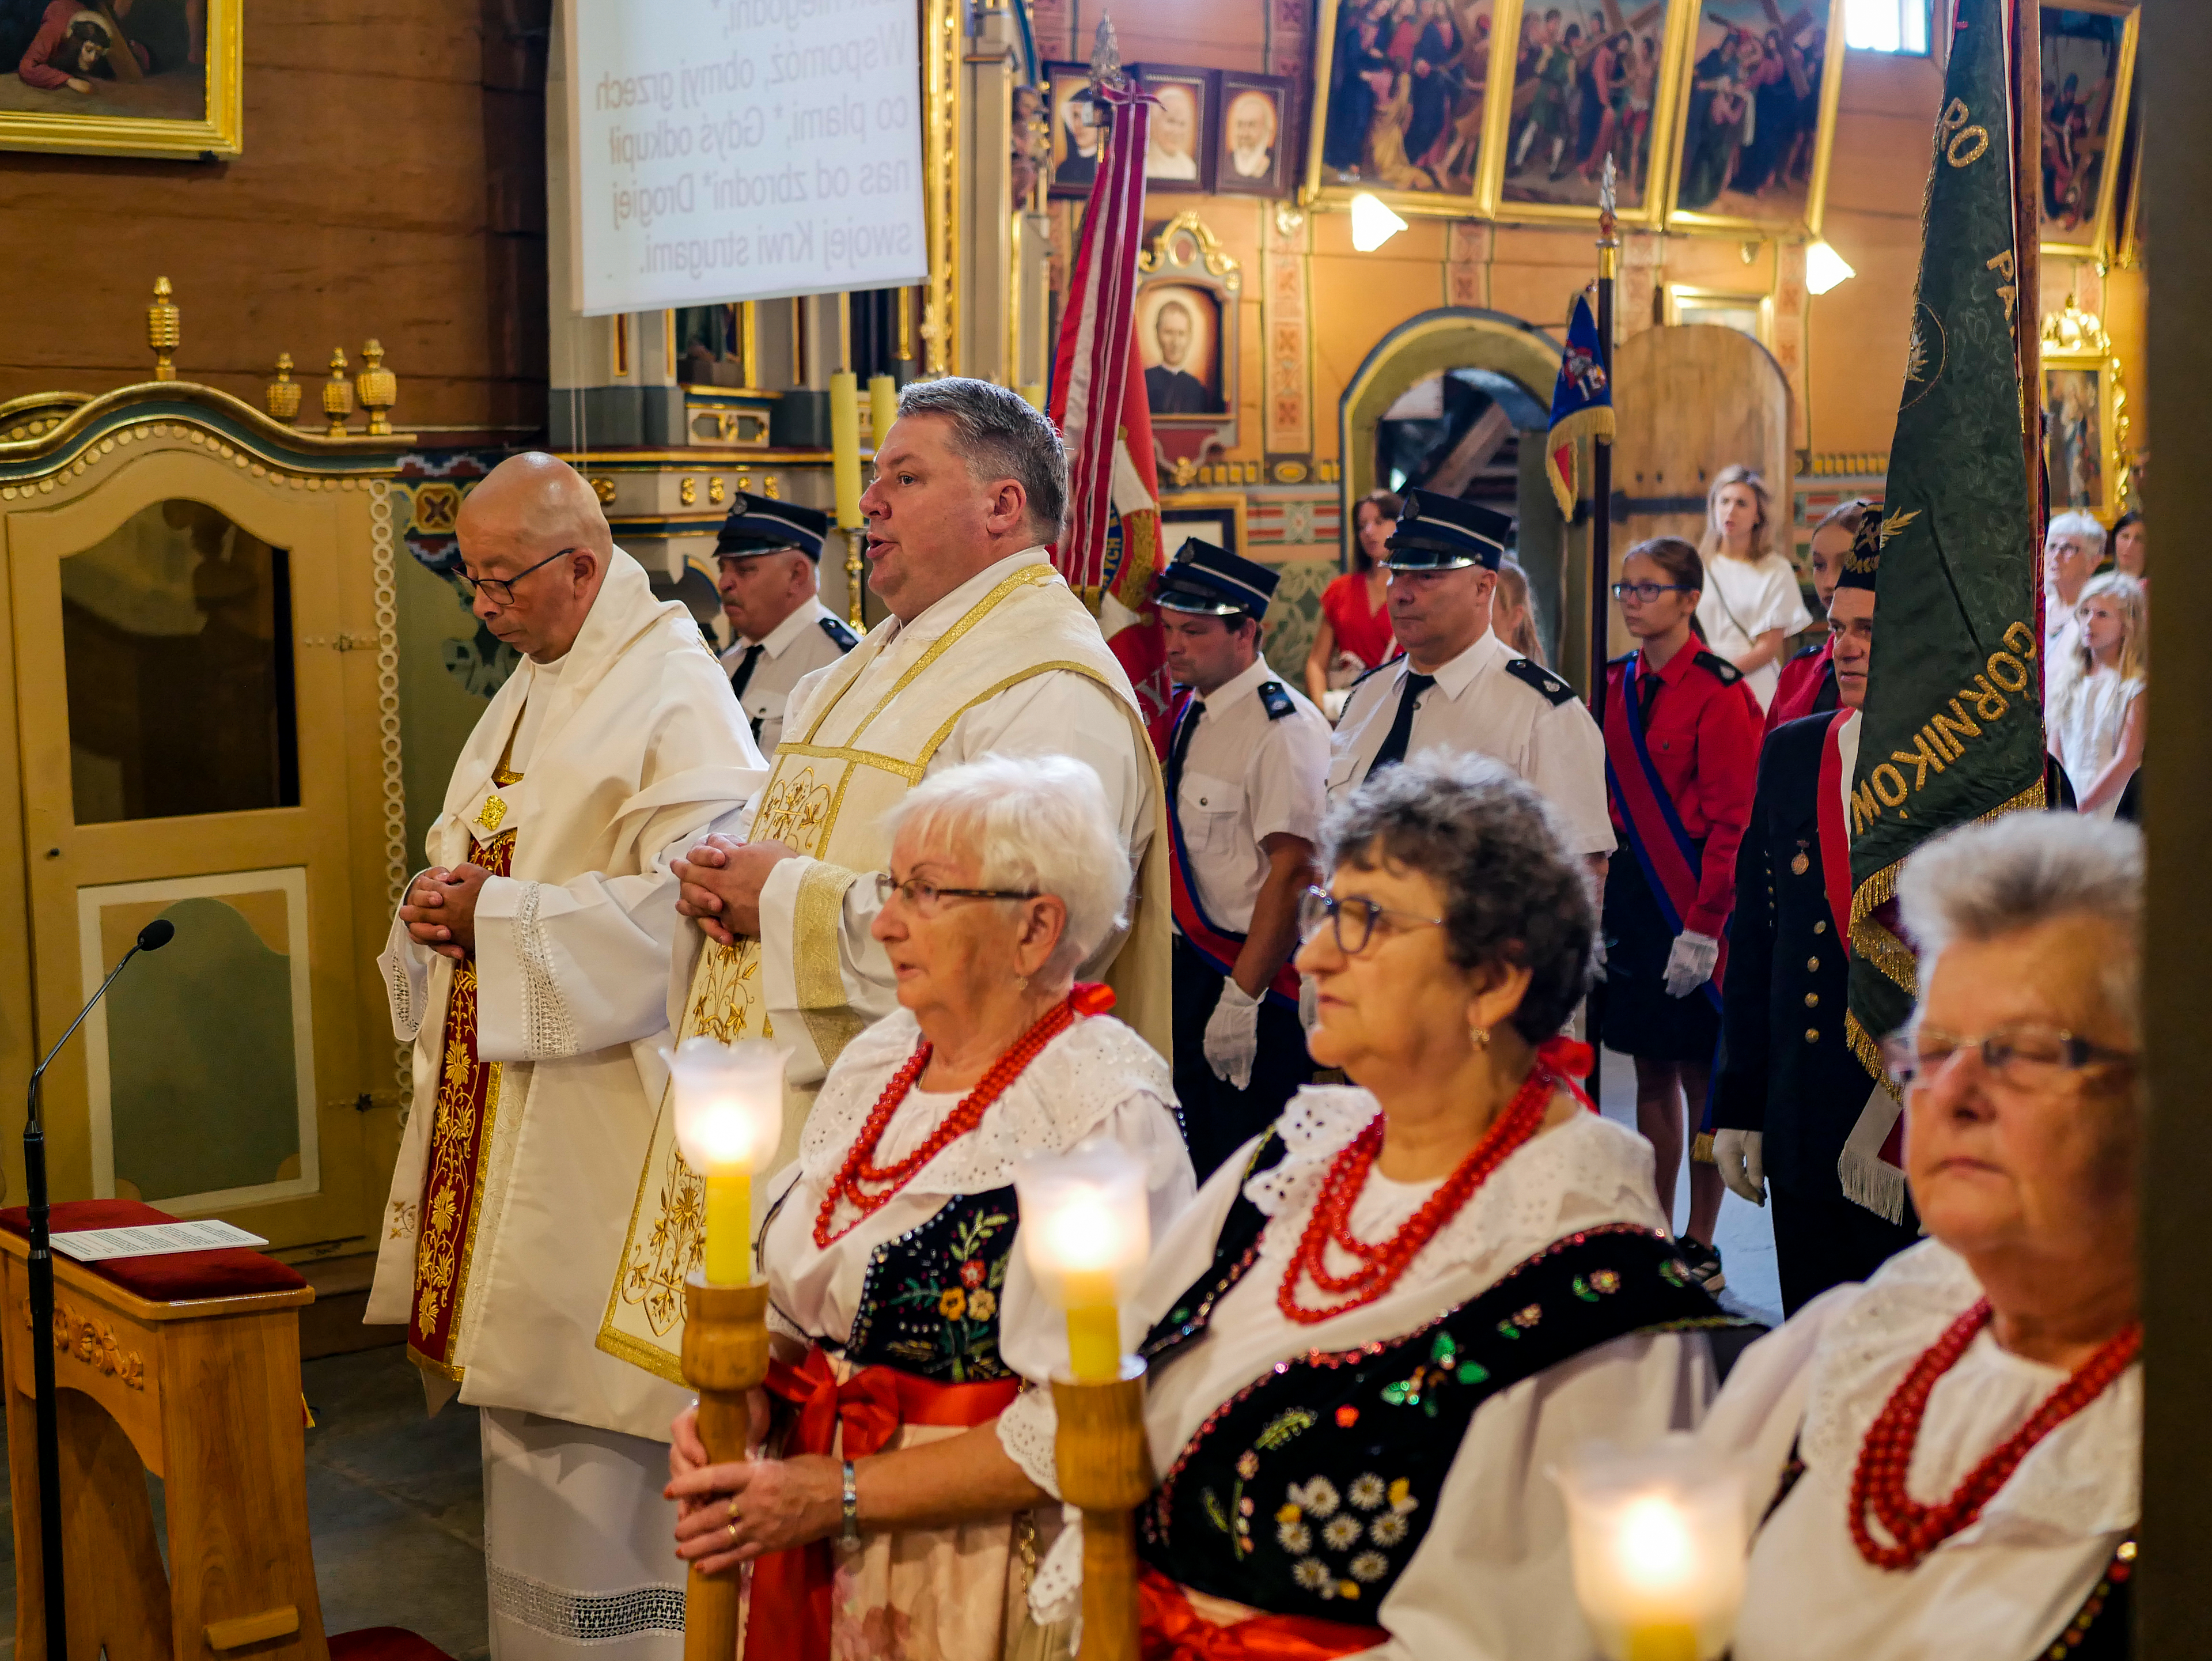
(729, 1119)
(1659, 1538)
(1085, 1233)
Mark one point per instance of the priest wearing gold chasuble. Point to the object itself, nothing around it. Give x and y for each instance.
(528, 967)
(985, 651)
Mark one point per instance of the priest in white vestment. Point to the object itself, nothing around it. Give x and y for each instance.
(985, 651)
(528, 967)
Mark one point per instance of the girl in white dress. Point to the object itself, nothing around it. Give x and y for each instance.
(2097, 722)
(1751, 603)
(894, 1526)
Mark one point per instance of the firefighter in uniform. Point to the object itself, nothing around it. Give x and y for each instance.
(768, 555)
(1245, 761)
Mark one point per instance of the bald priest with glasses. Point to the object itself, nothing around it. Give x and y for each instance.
(528, 967)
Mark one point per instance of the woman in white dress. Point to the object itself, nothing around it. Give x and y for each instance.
(1947, 1457)
(2097, 723)
(1387, 1315)
(1751, 605)
(890, 1522)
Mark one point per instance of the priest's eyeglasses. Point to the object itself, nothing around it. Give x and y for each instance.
(1645, 593)
(927, 899)
(1353, 919)
(500, 591)
(2025, 1056)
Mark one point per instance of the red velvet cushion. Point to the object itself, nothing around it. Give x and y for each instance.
(232, 1272)
(383, 1644)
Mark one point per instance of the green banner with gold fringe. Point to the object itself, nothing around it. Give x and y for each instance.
(1953, 724)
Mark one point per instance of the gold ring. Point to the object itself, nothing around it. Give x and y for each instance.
(733, 1533)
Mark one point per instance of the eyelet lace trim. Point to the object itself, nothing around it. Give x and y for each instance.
(546, 1016)
(583, 1618)
(399, 985)
(1029, 1431)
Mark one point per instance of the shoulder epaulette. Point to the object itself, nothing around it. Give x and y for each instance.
(1275, 701)
(1719, 667)
(1814, 650)
(1528, 669)
(1387, 663)
(845, 638)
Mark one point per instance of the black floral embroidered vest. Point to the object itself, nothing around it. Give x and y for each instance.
(930, 1303)
(1309, 1490)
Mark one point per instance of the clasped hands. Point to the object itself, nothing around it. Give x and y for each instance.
(722, 878)
(730, 1513)
(440, 909)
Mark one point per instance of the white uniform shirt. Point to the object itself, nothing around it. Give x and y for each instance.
(1247, 774)
(1477, 704)
(793, 649)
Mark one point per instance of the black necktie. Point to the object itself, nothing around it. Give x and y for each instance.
(1179, 748)
(1402, 729)
(1647, 690)
(742, 679)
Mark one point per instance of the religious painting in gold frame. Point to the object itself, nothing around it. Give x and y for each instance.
(1750, 313)
(2085, 418)
(1406, 108)
(1755, 117)
(126, 77)
(2088, 69)
(1588, 78)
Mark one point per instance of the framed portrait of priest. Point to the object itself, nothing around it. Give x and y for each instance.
(1403, 103)
(1180, 136)
(2088, 65)
(1755, 116)
(1588, 84)
(1186, 335)
(122, 77)
(1076, 125)
(1252, 153)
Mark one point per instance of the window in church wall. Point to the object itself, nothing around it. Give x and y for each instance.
(1895, 25)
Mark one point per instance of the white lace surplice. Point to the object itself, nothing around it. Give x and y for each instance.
(2011, 1580)
(1489, 1581)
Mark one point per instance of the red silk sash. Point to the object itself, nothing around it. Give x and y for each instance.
(1218, 946)
(453, 1174)
(1655, 834)
(1171, 1630)
(1835, 831)
(790, 1615)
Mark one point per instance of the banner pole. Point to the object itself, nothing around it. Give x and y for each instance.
(1608, 273)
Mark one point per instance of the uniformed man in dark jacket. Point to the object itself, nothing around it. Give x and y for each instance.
(1791, 1088)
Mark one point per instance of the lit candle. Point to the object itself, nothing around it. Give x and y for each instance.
(1659, 1539)
(729, 1121)
(845, 446)
(1085, 1233)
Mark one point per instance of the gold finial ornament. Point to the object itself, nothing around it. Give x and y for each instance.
(164, 329)
(284, 391)
(337, 395)
(378, 388)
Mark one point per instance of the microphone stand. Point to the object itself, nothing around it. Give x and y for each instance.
(42, 1329)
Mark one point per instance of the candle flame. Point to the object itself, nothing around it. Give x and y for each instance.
(1656, 1550)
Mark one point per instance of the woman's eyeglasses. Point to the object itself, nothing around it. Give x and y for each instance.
(1352, 918)
(1645, 593)
(2025, 1056)
(500, 591)
(927, 899)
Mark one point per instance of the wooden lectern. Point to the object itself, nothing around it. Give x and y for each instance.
(188, 1366)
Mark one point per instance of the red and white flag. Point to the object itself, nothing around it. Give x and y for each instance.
(1110, 549)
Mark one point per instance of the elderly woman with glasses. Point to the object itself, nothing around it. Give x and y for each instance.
(1387, 1315)
(886, 1515)
(1948, 1454)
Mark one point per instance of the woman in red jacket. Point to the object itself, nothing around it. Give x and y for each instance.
(1682, 746)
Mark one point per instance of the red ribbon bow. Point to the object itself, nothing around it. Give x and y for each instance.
(1173, 1631)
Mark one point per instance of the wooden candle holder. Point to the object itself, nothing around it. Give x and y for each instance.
(1106, 1472)
(725, 1359)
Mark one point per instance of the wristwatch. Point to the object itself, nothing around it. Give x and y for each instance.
(852, 1534)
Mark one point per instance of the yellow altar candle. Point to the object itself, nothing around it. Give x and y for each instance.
(883, 405)
(728, 1102)
(845, 445)
(729, 1248)
(1085, 1231)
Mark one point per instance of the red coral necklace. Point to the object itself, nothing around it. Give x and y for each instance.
(1878, 1484)
(1380, 1265)
(1087, 998)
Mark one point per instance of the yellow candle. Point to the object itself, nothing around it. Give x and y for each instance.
(1033, 395)
(845, 445)
(730, 1226)
(883, 405)
(1094, 1327)
(1662, 1643)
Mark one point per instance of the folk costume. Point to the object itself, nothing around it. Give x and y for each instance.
(891, 1324)
(1008, 662)
(1489, 699)
(1367, 1475)
(1807, 686)
(2043, 1563)
(1790, 1071)
(764, 672)
(1244, 763)
(1682, 747)
(536, 1077)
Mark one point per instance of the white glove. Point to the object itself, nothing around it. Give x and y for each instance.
(1232, 1035)
(1597, 955)
(1689, 964)
(1742, 1165)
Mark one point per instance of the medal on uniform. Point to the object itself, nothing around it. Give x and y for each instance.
(1801, 865)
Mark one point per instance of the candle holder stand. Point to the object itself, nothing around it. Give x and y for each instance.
(1105, 1472)
(725, 1359)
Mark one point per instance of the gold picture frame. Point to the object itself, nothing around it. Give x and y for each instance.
(1515, 122)
(2086, 417)
(1701, 179)
(144, 107)
(1471, 120)
(2103, 129)
(1750, 312)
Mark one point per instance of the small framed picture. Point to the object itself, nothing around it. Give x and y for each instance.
(1179, 152)
(1078, 125)
(1252, 157)
(1214, 516)
(2088, 65)
(2085, 423)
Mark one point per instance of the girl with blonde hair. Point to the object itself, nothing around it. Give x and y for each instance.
(1751, 604)
(1512, 617)
(2097, 720)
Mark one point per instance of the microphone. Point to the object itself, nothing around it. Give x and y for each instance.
(152, 938)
